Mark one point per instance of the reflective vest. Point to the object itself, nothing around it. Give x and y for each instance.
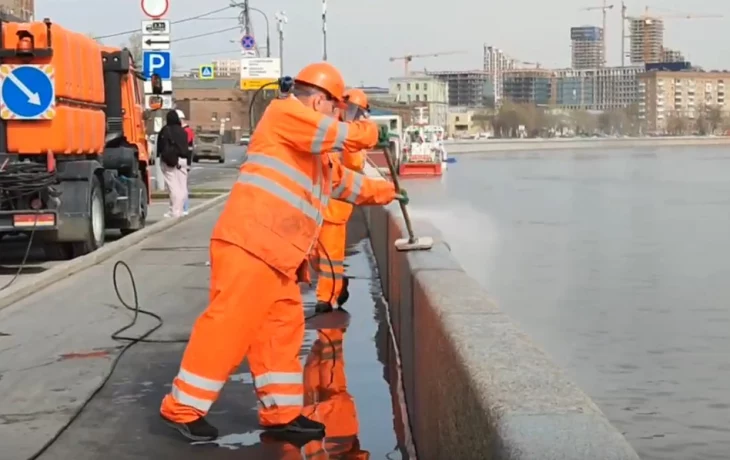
(276, 206)
(338, 212)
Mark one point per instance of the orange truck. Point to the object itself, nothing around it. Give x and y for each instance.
(73, 152)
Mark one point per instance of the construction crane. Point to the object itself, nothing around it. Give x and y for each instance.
(648, 18)
(409, 57)
(604, 9)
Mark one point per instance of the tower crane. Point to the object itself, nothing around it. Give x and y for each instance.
(604, 8)
(648, 17)
(409, 57)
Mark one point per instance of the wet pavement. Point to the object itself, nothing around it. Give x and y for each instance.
(55, 349)
(616, 262)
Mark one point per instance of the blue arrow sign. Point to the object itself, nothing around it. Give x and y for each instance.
(27, 92)
(248, 42)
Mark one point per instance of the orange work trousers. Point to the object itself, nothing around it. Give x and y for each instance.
(254, 311)
(325, 388)
(330, 250)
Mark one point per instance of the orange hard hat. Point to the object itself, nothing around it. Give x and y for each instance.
(324, 76)
(357, 97)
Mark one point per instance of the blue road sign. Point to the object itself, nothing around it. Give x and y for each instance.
(28, 92)
(248, 42)
(159, 62)
(206, 72)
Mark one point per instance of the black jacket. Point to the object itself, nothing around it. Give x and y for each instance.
(173, 131)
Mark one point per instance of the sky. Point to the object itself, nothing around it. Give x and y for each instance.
(363, 34)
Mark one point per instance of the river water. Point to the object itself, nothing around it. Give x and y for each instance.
(617, 263)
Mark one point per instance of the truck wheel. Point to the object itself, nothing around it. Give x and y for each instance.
(195, 159)
(142, 211)
(97, 223)
(221, 160)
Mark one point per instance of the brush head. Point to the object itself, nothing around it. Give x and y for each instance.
(422, 243)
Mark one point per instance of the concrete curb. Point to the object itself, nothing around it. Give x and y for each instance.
(22, 289)
(469, 373)
(196, 195)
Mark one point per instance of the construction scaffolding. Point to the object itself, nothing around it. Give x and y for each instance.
(22, 10)
(646, 40)
(469, 88)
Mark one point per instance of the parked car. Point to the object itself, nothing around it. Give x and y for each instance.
(244, 139)
(208, 146)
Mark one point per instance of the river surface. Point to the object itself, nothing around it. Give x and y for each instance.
(617, 263)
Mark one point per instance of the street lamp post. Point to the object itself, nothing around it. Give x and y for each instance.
(243, 18)
(281, 19)
(324, 29)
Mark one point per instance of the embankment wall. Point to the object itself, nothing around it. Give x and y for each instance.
(506, 145)
(476, 386)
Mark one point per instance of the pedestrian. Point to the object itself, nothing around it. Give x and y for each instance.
(172, 149)
(332, 284)
(259, 250)
(191, 142)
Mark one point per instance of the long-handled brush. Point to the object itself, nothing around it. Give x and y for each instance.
(412, 243)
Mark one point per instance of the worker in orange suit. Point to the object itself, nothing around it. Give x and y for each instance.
(330, 252)
(325, 391)
(259, 251)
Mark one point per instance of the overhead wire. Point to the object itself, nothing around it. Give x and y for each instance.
(179, 21)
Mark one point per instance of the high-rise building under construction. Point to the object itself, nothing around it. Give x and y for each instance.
(495, 63)
(646, 40)
(587, 47)
(21, 9)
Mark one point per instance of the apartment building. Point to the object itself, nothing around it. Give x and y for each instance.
(466, 88)
(22, 9)
(587, 47)
(495, 63)
(529, 86)
(684, 94)
(670, 55)
(426, 90)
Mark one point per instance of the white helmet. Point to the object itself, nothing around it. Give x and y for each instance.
(180, 114)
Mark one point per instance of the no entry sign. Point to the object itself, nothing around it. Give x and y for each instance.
(155, 9)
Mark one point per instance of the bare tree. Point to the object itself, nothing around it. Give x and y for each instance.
(714, 118)
(134, 45)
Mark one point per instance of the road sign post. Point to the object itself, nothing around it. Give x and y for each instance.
(156, 42)
(156, 27)
(160, 63)
(248, 42)
(257, 72)
(206, 72)
(27, 92)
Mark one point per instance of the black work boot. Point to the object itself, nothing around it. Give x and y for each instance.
(197, 430)
(322, 307)
(300, 425)
(344, 293)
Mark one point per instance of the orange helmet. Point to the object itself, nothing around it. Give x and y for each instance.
(324, 76)
(357, 97)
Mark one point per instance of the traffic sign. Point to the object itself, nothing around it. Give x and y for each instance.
(156, 42)
(158, 62)
(155, 9)
(156, 27)
(257, 72)
(248, 53)
(248, 42)
(206, 72)
(27, 92)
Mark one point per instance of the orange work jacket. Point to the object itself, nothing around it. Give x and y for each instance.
(338, 212)
(275, 210)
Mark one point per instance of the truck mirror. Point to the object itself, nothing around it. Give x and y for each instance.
(156, 84)
(155, 102)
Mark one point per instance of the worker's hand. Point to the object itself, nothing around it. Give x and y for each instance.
(402, 196)
(383, 136)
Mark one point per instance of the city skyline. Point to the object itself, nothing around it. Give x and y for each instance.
(407, 32)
